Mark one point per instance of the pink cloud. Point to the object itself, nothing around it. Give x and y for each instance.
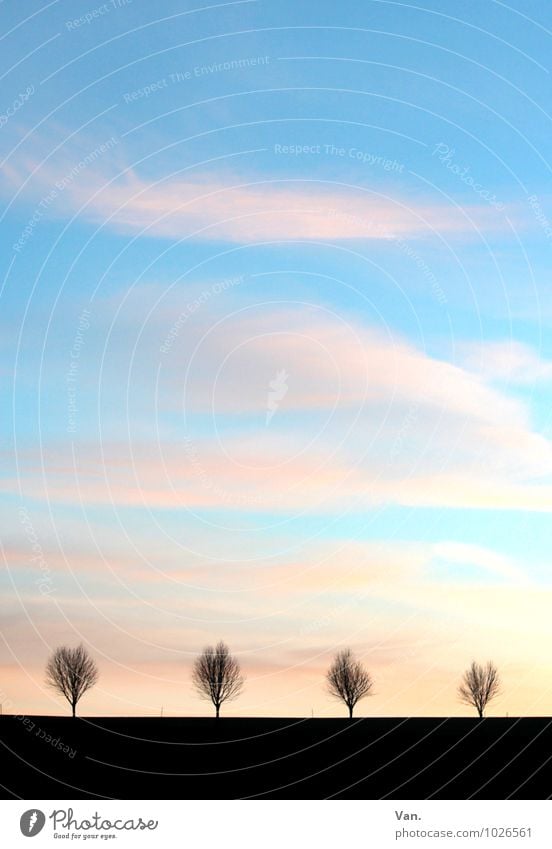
(365, 420)
(331, 360)
(313, 486)
(240, 211)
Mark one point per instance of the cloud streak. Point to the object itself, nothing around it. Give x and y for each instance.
(366, 420)
(217, 207)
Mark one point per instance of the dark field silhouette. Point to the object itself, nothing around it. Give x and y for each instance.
(173, 758)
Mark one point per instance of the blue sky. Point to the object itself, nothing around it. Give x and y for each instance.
(276, 361)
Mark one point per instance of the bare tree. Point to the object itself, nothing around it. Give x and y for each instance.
(479, 685)
(348, 680)
(217, 675)
(71, 672)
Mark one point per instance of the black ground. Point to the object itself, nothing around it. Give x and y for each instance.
(63, 758)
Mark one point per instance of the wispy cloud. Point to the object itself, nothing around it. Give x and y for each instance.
(334, 359)
(245, 209)
(507, 361)
(366, 420)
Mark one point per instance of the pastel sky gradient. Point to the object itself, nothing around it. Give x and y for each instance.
(276, 362)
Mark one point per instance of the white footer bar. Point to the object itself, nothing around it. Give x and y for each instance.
(277, 824)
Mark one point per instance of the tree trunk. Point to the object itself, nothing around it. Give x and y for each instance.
(74, 709)
(480, 710)
(218, 711)
(350, 711)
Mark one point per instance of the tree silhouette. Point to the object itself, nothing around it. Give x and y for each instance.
(71, 672)
(217, 676)
(479, 685)
(348, 680)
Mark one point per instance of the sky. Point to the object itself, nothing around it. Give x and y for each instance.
(275, 343)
